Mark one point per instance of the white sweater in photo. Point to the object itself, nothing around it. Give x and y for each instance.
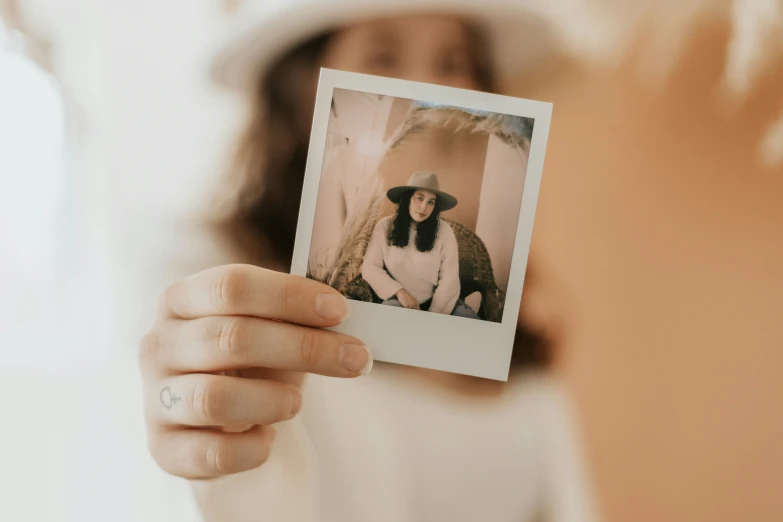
(425, 275)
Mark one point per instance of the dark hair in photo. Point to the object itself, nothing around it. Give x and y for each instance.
(426, 231)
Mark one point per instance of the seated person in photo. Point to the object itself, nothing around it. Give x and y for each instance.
(412, 259)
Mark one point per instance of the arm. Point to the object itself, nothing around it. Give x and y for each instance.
(372, 267)
(447, 292)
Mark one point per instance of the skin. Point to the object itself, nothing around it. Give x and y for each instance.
(432, 49)
(230, 347)
(421, 208)
(422, 205)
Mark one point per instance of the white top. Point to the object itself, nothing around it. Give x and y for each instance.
(392, 447)
(425, 275)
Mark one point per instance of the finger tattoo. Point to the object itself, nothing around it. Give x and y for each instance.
(168, 398)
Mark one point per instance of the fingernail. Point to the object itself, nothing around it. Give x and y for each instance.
(356, 358)
(332, 307)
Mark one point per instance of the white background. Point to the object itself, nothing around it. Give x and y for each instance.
(97, 173)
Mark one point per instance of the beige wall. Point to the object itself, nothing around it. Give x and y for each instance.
(501, 195)
(659, 249)
(456, 157)
(399, 110)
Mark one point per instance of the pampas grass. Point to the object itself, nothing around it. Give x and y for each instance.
(512, 130)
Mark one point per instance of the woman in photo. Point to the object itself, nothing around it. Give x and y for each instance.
(243, 345)
(412, 259)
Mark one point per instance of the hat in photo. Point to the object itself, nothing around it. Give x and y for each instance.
(261, 31)
(423, 180)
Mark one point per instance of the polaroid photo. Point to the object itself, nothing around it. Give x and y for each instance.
(418, 206)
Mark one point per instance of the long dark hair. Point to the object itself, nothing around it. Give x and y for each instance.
(269, 164)
(426, 231)
(270, 159)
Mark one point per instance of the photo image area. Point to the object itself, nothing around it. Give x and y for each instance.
(473, 162)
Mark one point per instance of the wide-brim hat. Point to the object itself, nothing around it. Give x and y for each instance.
(423, 180)
(261, 31)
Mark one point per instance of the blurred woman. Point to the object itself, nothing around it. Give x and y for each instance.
(232, 345)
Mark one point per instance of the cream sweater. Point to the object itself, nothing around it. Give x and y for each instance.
(392, 447)
(425, 275)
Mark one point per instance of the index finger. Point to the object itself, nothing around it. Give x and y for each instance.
(254, 291)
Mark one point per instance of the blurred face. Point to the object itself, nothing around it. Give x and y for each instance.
(425, 48)
(422, 205)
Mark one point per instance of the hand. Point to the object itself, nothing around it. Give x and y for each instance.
(229, 349)
(407, 300)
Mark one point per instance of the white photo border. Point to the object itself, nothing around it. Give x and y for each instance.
(429, 340)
